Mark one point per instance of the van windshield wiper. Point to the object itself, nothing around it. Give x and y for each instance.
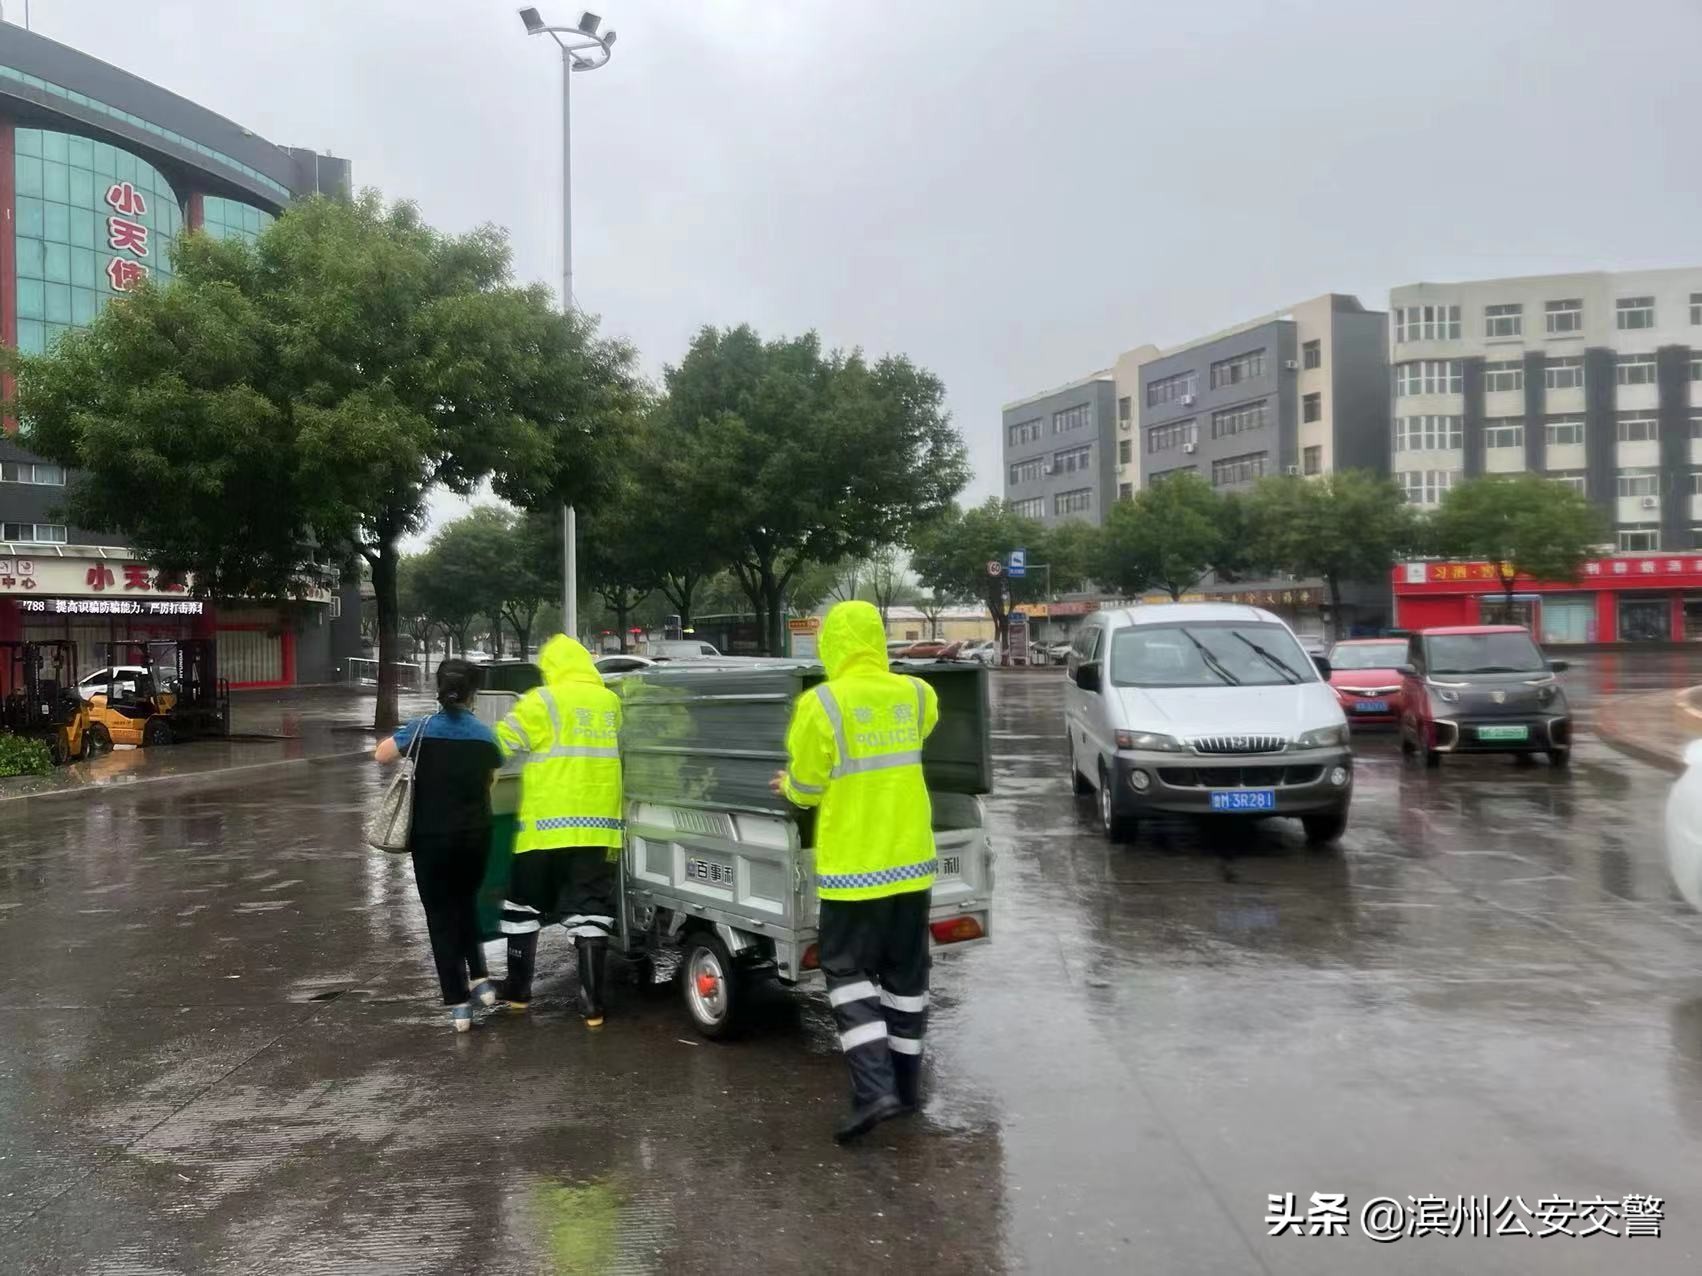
(1212, 662)
(1276, 662)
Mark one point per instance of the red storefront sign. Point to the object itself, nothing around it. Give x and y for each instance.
(1638, 597)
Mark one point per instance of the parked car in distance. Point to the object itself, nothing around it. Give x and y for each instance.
(1684, 828)
(926, 649)
(983, 651)
(124, 681)
(622, 662)
(1482, 689)
(678, 649)
(1056, 653)
(1366, 673)
(1204, 709)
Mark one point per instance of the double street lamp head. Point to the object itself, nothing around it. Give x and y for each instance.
(582, 37)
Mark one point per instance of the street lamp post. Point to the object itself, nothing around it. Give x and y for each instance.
(582, 49)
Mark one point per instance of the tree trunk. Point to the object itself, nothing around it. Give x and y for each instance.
(385, 713)
(773, 605)
(681, 591)
(496, 637)
(1335, 585)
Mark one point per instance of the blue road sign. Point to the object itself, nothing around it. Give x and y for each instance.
(1018, 565)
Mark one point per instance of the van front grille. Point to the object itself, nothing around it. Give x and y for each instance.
(1238, 777)
(1238, 744)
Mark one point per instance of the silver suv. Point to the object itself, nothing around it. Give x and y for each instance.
(1205, 709)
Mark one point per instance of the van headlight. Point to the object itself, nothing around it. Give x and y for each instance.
(1322, 737)
(1151, 741)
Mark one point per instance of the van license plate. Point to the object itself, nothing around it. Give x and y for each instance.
(1244, 800)
(951, 866)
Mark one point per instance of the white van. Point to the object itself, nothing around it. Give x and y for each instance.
(1203, 709)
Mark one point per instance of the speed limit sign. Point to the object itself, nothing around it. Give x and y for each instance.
(995, 567)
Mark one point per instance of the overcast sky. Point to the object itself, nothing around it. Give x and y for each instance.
(1010, 193)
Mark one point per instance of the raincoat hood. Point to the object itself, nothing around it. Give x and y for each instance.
(853, 640)
(565, 659)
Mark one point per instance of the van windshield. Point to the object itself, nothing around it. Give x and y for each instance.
(1208, 654)
(1483, 653)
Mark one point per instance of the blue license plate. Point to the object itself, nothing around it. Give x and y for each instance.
(1371, 706)
(1244, 800)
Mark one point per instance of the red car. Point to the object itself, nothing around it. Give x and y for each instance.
(1483, 689)
(1365, 674)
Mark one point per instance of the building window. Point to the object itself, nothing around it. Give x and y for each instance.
(1312, 459)
(1125, 491)
(1125, 409)
(1696, 482)
(1312, 407)
(1504, 321)
(1640, 482)
(1033, 507)
(1125, 451)
(1073, 502)
(1243, 367)
(1249, 416)
(1072, 418)
(1564, 374)
(1573, 479)
(1696, 425)
(1428, 376)
(1634, 312)
(1161, 438)
(1429, 433)
(1161, 475)
(39, 473)
(1027, 471)
(1183, 385)
(1638, 429)
(1508, 374)
(1508, 432)
(1427, 323)
(1696, 307)
(1563, 431)
(228, 219)
(1071, 460)
(1312, 354)
(1235, 470)
(1563, 317)
(1424, 487)
(1634, 369)
(1639, 539)
(1696, 368)
(1025, 432)
(33, 533)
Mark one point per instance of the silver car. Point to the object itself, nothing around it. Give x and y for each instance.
(1204, 709)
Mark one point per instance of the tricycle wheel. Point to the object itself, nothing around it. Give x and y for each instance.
(157, 732)
(710, 985)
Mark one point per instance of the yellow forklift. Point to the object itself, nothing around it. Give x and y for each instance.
(41, 697)
(158, 693)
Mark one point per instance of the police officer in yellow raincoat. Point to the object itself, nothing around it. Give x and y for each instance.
(567, 847)
(854, 750)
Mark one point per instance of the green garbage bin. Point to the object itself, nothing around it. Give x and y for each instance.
(505, 807)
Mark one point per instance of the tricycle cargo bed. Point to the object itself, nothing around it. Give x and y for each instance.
(713, 734)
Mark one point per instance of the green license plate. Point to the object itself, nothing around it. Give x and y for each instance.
(1504, 733)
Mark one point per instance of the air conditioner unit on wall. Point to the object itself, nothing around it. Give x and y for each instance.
(1190, 448)
(1126, 426)
(1651, 502)
(1291, 469)
(1187, 400)
(1293, 365)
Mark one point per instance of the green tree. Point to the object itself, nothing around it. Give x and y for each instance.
(950, 554)
(1072, 552)
(617, 560)
(1168, 537)
(812, 585)
(794, 457)
(1526, 524)
(312, 388)
(1346, 526)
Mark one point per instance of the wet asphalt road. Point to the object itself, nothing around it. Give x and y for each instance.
(220, 1049)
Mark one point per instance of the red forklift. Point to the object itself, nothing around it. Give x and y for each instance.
(41, 699)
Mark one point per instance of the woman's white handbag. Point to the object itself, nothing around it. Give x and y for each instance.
(388, 827)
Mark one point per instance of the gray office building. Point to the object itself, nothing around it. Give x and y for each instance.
(1304, 391)
(1060, 452)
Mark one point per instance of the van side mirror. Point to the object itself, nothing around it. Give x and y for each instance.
(1559, 666)
(1322, 664)
(1088, 676)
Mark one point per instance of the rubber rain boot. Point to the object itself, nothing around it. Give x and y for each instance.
(907, 1080)
(516, 989)
(593, 966)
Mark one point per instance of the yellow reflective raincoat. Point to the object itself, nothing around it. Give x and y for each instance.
(568, 733)
(854, 749)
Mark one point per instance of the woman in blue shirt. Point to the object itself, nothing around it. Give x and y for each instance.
(449, 838)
